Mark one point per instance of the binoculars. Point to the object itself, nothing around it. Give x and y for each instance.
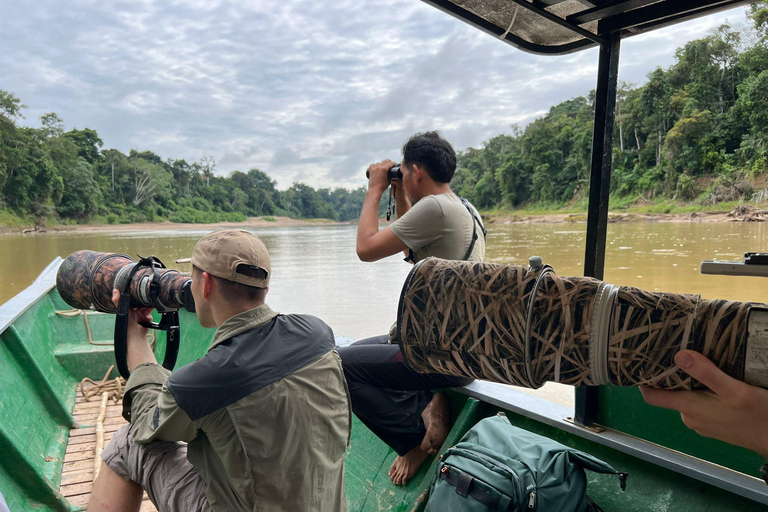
(393, 174)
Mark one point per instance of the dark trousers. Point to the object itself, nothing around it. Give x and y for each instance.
(387, 395)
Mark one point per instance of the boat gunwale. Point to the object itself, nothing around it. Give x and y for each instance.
(21, 302)
(557, 416)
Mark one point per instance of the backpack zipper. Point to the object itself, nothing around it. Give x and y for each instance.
(532, 501)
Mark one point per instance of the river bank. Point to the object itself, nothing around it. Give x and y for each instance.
(250, 223)
(740, 213)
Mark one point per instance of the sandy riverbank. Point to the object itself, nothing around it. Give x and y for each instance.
(740, 214)
(252, 222)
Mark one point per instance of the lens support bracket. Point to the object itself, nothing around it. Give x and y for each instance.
(536, 265)
(169, 321)
(605, 299)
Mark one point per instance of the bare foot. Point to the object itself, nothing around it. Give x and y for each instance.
(437, 422)
(406, 466)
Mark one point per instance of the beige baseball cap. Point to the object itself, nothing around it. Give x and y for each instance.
(220, 253)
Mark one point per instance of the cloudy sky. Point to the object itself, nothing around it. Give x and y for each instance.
(305, 90)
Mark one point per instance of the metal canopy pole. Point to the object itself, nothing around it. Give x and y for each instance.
(599, 185)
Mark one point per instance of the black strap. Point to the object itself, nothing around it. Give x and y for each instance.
(764, 472)
(475, 222)
(411, 258)
(169, 321)
(592, 506)
(467, 485)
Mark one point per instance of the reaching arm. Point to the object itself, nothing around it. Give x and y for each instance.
(372, 244)
(729, 410)
(147, 403)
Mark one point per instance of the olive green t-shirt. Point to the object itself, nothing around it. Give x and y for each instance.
(441, 226)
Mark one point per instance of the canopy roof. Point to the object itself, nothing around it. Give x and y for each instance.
(564, 26)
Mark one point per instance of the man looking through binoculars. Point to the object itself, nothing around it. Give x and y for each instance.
(265, 412)
(431, 221)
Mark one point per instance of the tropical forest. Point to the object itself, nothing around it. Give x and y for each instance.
(694, 135)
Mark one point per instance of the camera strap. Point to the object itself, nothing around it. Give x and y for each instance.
(169, 321)
(475, 222)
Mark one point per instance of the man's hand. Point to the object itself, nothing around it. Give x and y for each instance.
(377, 179)
(730, 410)
(139, 350)
(373, 244)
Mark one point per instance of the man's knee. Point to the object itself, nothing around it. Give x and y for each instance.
(113, 492)
(116, 454)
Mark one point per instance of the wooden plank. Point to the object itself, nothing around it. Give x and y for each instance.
(81, 447)
(79, 411)
(76, 489)
(78, 456)
(76, 465)
(73, 440)
(90, 431)
(86, 475)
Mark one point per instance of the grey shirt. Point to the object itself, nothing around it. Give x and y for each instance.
(440, 226)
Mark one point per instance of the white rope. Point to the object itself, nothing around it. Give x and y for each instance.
(514, 17)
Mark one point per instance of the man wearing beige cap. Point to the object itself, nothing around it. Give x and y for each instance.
(261, 422)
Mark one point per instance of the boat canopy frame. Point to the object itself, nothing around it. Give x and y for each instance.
(556, 27)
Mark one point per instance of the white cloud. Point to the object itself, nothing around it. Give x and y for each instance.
(301, 89)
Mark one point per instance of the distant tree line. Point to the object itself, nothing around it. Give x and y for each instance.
(47, 173)
(697, 131)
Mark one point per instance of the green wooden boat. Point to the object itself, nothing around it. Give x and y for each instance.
(43, 355)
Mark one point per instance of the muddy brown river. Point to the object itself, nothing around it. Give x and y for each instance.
(316, 270)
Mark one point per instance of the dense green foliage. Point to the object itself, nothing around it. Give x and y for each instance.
(697, 131)
(47, 173)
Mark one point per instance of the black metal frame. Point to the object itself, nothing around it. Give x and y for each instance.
(625, 17)
(587, 402)
(489, 28)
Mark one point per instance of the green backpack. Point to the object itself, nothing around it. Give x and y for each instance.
(499, 467)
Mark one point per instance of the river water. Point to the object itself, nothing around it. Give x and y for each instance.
(315, 269)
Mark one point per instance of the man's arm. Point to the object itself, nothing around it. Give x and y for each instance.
(372, 244)
(147, 403)
(729, 410)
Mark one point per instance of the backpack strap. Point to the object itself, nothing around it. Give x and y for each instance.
(467, 485)
(592, 506)
(475, 223)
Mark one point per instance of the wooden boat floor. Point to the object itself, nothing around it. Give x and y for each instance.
(77, 471)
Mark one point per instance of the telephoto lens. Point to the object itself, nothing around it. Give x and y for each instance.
(86, 279)
(526, 326)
